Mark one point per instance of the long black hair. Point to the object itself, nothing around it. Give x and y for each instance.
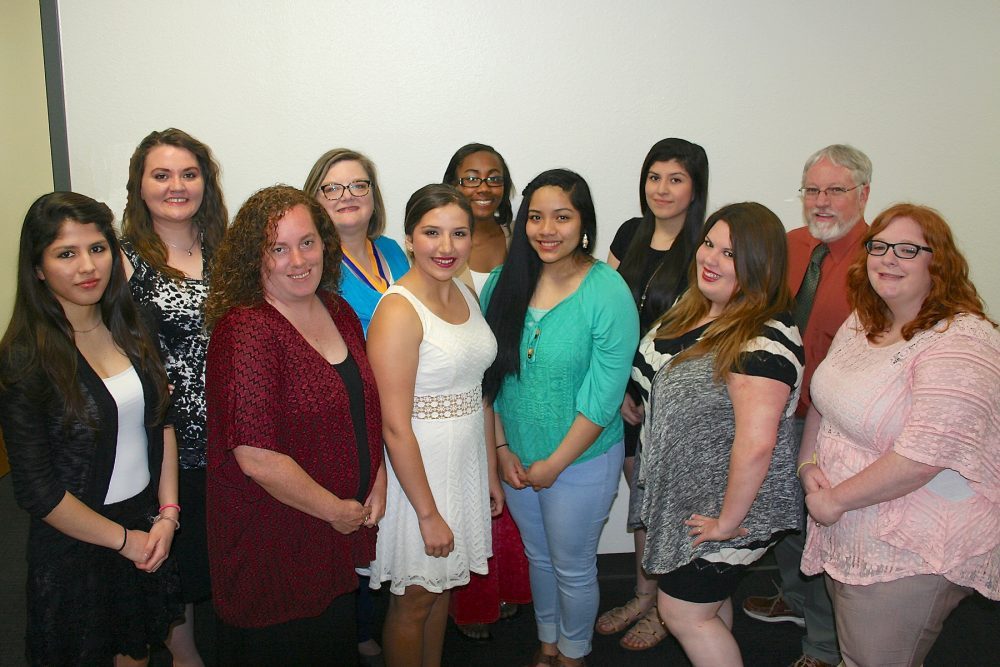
(505, 212)
(516, 284)
(40, 336)
(670, 279)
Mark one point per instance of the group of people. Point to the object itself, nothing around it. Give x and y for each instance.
(327, 414)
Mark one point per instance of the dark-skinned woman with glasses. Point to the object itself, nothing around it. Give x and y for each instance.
(480, 173)
(345, 184)
(899, 456)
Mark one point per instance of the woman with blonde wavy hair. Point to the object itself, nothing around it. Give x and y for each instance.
(345, 183)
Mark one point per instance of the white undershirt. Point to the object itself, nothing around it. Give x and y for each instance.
(131, 473)
(479, 280)
(950, 485)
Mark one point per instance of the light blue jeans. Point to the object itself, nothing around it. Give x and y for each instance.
(560, 527)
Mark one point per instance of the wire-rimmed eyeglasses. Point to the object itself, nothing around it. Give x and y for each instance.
(831, 192)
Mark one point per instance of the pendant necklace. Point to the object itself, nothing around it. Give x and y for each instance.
(190, 248)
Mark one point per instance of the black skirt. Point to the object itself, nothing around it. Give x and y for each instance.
(88, 603)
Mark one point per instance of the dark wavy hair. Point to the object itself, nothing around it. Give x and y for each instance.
(431, 197)
(505, 212)
(516, 284)
(760, 258)
(40, 336)
(236, 280)
(671, 278)
(211, 218)
(951, 292)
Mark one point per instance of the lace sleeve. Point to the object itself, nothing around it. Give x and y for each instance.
(243, 382)
(955, 415)
(25, 420)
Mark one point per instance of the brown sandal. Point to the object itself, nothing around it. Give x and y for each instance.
(544, 659)
(649, 631)
(617, 619)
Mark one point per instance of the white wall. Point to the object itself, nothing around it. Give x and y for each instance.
(587, 85)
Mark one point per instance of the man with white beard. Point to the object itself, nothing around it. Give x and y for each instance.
(835, 184)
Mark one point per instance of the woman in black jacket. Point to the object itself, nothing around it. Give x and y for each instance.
(83, 398)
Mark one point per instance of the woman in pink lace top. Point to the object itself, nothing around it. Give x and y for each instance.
(900, 456)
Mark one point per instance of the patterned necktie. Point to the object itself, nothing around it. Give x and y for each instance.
(807, 291)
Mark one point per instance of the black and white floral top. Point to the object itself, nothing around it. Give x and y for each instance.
(178, 308)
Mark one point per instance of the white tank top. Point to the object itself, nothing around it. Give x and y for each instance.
(131, 472)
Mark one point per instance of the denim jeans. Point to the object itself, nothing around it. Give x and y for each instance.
(560, 527)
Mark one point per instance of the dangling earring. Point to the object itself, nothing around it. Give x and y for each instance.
(586, 241)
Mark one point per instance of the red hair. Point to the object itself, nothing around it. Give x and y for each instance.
(951, 292)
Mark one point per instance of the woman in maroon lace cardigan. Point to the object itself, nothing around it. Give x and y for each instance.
(295, 476)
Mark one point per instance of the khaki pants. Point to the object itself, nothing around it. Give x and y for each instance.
(892, 623)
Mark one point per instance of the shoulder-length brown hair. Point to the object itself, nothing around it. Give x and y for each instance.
(210, 219)
(951, 290)
(376, 224)
(760, 256)
(236, 279)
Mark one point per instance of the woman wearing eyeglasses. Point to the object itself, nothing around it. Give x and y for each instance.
(480, 173)
(345, 183)
(899, 455)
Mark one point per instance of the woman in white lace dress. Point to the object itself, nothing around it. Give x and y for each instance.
(429, 346)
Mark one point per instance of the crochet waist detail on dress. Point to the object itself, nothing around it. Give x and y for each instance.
(448, 406)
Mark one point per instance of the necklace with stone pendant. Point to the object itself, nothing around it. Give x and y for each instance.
(190, 249)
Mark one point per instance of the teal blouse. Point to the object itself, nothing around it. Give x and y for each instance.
(580, 359)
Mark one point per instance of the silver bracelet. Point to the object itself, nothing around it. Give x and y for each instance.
(177, 523)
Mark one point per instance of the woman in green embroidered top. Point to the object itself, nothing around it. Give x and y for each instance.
(566, 330)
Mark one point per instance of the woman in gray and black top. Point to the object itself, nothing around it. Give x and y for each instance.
(718, 473)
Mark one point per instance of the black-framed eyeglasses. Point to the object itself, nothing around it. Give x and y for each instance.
(901, 250)
(334, 191)
(474, 181)
(831, 192)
